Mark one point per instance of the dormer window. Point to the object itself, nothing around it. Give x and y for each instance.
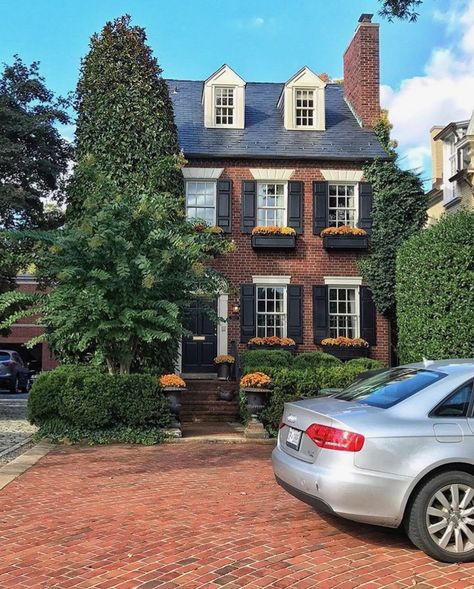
(304, 104)
(224, 106)
(223, 100)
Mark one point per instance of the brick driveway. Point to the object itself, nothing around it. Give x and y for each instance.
(189, 516)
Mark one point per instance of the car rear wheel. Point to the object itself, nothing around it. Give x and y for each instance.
(441, 518)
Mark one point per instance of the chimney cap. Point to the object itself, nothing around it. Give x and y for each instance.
(365, 17)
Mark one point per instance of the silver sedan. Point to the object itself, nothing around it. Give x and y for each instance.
(395, 448)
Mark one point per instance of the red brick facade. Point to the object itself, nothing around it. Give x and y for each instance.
(361, 74)
(307, 265)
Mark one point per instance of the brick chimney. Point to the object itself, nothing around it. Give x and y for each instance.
(362, 72)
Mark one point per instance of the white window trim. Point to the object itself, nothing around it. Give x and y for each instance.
(285, 307)
(304, 79)
(207, 181)
(356, 197)
(271, 280)
(343, 176)
(285, 197)
(271, 174)
(315, 105)
(347, 282)
(224, 77)
(233, 107)
(202, 173)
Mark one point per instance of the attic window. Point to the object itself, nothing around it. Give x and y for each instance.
(224, 106)
(304, 103)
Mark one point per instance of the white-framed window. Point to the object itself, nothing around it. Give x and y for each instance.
(272, 203)
(342, 206)
(344, 311)
(304, 108)
(201, 201)
(224, 105)
(271, 311)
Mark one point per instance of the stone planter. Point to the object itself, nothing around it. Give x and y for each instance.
(347, 352)
(174, 398)
(256, 399)
(274, 242)
(268, 347)
(345, 242)
(224, 370)
(226, 393)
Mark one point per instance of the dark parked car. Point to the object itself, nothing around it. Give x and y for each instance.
(14, 373)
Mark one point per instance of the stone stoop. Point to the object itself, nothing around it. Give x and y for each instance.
(201, 402)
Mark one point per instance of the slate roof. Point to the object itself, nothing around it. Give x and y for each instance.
(264, 135)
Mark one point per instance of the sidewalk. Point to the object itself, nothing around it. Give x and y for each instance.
(15, 431)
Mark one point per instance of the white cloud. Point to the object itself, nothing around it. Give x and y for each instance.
(443, 94)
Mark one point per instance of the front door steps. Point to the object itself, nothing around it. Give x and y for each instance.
(203, 402)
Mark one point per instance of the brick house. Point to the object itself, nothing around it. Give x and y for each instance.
(285, 154)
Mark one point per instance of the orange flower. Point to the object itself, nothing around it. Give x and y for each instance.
(342, 230)
(172, 380)
(216, 229)
(255, 379)
(345, 342)
(272, 340)
(272, 230)
(224, 358)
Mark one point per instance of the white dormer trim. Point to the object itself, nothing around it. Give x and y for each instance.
(304, 79)
(224, 77)
(342, 175)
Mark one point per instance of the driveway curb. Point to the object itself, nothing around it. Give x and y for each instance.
(22, 463)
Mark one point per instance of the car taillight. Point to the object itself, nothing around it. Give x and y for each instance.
(332, 438)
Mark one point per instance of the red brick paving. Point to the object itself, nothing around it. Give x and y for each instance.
(190, 516)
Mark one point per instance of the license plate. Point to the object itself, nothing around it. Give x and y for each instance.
(293, 439)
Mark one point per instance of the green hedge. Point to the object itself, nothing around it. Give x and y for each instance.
(77, 402)
(314, 360)
(253, 360)
(435, 293)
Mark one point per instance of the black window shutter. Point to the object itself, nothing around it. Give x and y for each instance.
(295, 206)
(248, 312)
(368, 316)
(249, 205)
(320, 313)
(365, 206)
(295, 312)
(320, 206)
(224, 204)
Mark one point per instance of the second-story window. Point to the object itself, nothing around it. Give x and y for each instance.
(304, 103)
(342, 205)
(201, 201)
(224, 106)
(271, 203)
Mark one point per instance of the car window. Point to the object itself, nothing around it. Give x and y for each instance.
(4, 356)
(16, 358)
(390, 387)
(456, 405)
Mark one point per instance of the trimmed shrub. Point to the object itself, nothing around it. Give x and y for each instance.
(314, 360)
(434, 292)
(77, 402)
(366, 363)
(253, 360)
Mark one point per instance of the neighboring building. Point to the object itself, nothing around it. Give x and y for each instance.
(285, 154)
(452, 150)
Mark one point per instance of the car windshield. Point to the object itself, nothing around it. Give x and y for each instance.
(389, 388)
(4, 356)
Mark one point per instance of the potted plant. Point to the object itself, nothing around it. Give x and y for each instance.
(173, 385)
(346, 348)
(344, 238)
(224, 364)
(256, 387)
(272, 343)
(273, 237)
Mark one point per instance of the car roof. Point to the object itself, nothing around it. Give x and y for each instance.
(449, 366)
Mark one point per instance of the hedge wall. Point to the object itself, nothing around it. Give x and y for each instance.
(435, 291)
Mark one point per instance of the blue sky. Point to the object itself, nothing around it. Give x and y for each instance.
(263, 40)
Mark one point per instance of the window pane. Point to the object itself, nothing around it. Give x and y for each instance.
(456, 405)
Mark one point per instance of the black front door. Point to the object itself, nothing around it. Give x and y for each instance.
(200, 349)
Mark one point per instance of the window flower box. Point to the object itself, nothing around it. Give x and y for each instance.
(272, 237)
(272, 343)
(344, 238)
(346, 348)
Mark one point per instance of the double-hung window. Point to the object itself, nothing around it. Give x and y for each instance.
(344, 312)
(271, 311)
(342, 205)
(201, 201)
(224, 105)
(271, 204)
(304, 105)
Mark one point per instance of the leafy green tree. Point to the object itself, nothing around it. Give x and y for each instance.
(33, 160)
(401, 9)
(435, 294)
